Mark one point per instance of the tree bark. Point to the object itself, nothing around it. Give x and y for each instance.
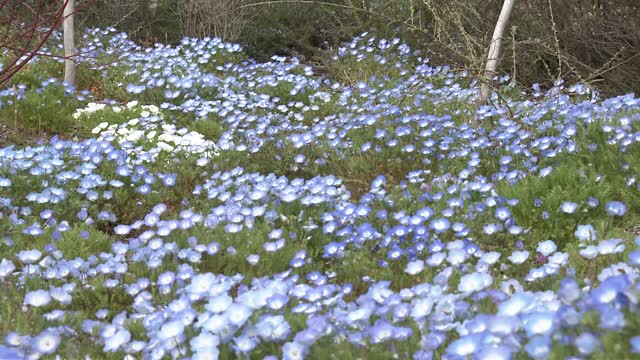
(494, 51)
(68, 30)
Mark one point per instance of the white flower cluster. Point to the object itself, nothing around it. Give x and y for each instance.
(150, 128)
(93, 107)
(89, 109)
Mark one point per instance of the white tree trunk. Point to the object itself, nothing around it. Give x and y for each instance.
(494, 50)
(68, 29)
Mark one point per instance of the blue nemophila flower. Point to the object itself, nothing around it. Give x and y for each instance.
(402, 333)
(220, 303)
(539, 323)
(538, 347)
(401, 311)
(15, 340)
(33, 230)
(294, 351)
(273, 328)
(62, 295)
(474, 282)
(135, 89)
(378, 182)
(238, 314)
(634, 259)
(395, 252)
(611, 318)
(37, 298)
(9, 354)
(502, 213)
(490, 257)
(569, 290)
(274, 246)
(312, 333)
(510, 286)
(615, 208)
(516, 304)
(151, 219)
(46, 214)
(171, 330)
(436, 246)
(421, 308)
(331, 249)
(465, 345)
(491, 229)
(102, 314)
(436, 259)
(55, 315)
(494, 353)
(169, 180)
(611, 246)
(557, 259)
(6, 268)
(204, 342)
(593, 202)
(166, 278)
(122, 229)
(585, 233)
(414, 267)
(244, 344)
(277, 301)
(217, 324)
(518, 257)
(253, 259)
(590, 252)
(144, 189)
(456, 257)
(568, 207)
(201, 284)
(609, 289)
(440, 225)
(29, 256)
(82, 214)
(47, 342)
(635, 344)
(56, 235)
(115, 341)
(546, 247)
(159, 209)
(433, 340)
(545, 171)
(381, 331)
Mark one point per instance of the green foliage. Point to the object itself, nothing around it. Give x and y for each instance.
(577, 178)
(49, 110)
(210, 127)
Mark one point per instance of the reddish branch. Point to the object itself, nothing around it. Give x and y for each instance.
(25, 26)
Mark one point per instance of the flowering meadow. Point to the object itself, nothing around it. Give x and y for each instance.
(197, 204)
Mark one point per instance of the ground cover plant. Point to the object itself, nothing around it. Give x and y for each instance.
(198, 204)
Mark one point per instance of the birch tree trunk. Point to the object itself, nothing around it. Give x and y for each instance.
(494, 50)
(68, 30)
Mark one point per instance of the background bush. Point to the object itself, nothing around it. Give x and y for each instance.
(596, 41)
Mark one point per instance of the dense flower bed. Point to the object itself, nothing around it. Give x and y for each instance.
(321, 218)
